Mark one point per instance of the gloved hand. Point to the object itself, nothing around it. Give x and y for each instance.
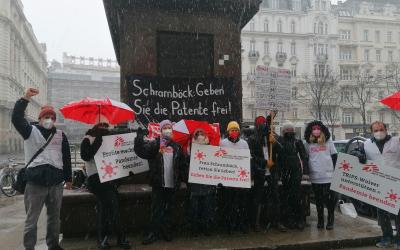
(140, 132)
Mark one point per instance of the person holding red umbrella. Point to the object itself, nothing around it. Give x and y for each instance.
(166, 163)
(106, 193)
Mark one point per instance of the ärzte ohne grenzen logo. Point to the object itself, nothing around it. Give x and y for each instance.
(108, 170)
(221, 152)
(199, 155)
(345, 166)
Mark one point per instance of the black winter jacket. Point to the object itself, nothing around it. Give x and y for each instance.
(150, 150)
(44, 175)
(291, 154)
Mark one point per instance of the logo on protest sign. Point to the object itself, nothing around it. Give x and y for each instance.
(108, 170)
(212, 165)
(118, 141)
(392, 196)
(374, 182)
(345, 166)
(116, 158)
(221, 152)
(200, 155)
(243, 173)
(370, 167)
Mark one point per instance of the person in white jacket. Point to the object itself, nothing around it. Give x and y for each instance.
(322, 159)
(386, 149)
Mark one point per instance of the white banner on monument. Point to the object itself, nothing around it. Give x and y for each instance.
(116, 158)
(273, 88)
(370, 183)
(212, 165)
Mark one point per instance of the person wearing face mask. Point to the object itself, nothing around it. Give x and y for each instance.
(292, 162)
(202, 198)
(322, 160)
(386, 149)
(46, 173)
(107, 203)
(236, 200)
(167, 165)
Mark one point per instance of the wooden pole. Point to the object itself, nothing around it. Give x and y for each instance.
(271, 140)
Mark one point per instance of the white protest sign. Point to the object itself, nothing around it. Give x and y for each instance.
(212, 165)
(371, 183)
(116, 157)
(273, 88)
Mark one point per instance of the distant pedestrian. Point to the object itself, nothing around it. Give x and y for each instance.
(46, 173)
(107, 203)
(322, 160)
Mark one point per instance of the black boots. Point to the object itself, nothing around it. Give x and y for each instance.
(123, 243)
(331, 218)
(103, 243)
(150, 238)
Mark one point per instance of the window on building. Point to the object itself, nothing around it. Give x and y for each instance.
(382, 116)
(345, 73)
(368, 96)
(345, 54)
(315, 28)
(266, 47)
(293, 27)
(320, 28)
(253, 113)
(293, 70)
(390, 56)
(381, 94)
(347, 118)
(369, 117)
(317, 6)
(294, 113)
(279, 26)
(326, 29)
(294, 92)
(266, 26)
(347, 95)
(366, 34)
(293, 48)
(377, 36)
(345, 34)
(275, 4)
(280, 47)
(389, 36)
(252, 45)
(252, 26)
(323, 5)
(366, 55)
(378, 55)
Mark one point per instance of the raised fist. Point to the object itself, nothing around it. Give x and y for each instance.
(31, 92)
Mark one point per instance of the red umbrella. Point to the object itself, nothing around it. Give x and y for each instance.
(185, 128)
(89, 109)
(392, 101)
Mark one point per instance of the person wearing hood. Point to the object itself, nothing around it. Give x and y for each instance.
(235, 199)
(107, 203)
(202, 197)
(384, 148)
(167, 164)
(46, 173)
(322, 160)
(292, 162)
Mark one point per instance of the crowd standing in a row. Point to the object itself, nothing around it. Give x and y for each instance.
(261, 206)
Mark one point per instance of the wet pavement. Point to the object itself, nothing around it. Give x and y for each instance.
(348, 233)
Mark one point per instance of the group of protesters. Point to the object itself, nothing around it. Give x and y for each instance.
(275, 159)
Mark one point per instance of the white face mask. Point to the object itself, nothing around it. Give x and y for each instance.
(48, 123)
(380, 135)
(167, 133)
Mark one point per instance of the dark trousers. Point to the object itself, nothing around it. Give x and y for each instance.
(324, 196)
(161, 210)
(292, 209)
(107, 208)
(235, 208)
(384, 220)
(272, 205)
(202, 211)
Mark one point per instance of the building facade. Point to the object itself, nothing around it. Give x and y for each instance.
(23, 64)
(309, 37)
(79, 77)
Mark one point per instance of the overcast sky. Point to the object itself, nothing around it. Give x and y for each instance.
(78, 27)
